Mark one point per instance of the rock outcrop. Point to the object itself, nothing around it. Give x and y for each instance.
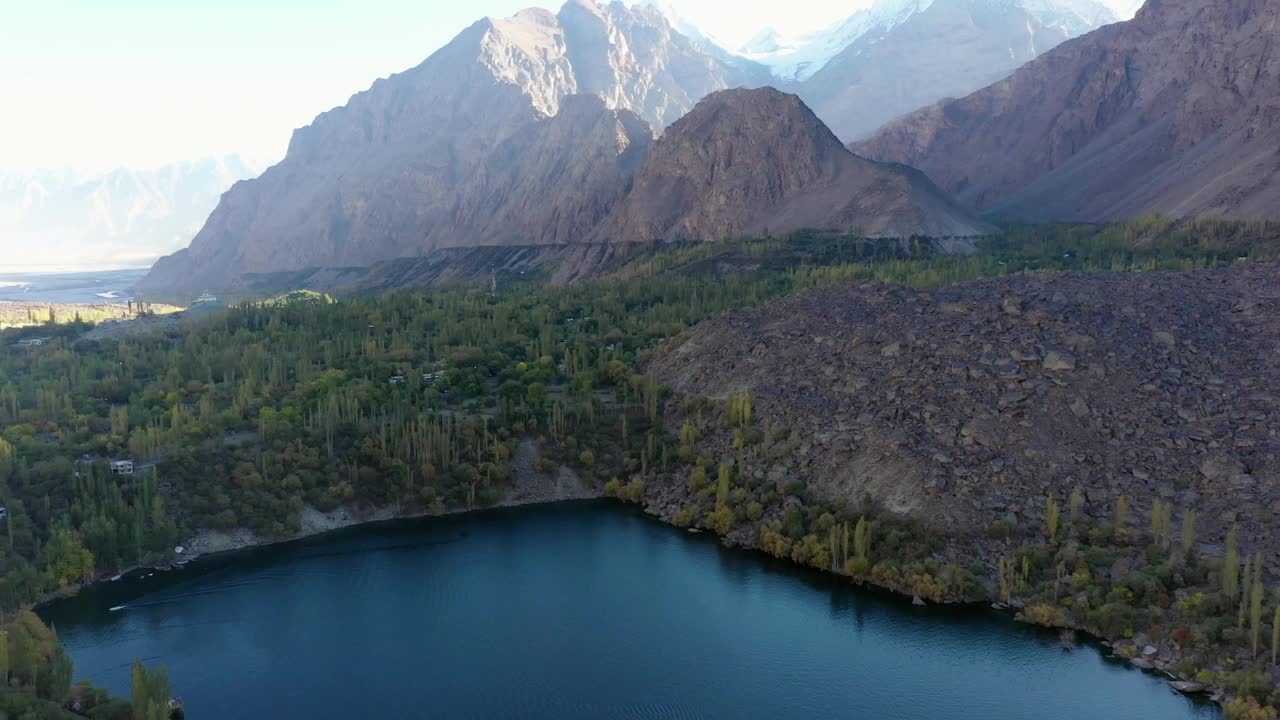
(971, 405)
(744, 162)
(1175, 111)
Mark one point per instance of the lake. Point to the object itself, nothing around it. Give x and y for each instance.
(81, 287)
(580, 610)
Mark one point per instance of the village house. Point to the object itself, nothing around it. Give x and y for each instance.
(121, 467)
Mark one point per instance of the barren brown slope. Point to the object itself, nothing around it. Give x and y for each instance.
(1175, 111)
(973, 404)
(746, 161)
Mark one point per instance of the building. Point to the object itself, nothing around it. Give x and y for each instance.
(397, 380)
(206, 298)
(33, 342)
(121, 467)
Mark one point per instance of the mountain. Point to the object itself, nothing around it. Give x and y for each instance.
(743, 162)
(901, 55)
(552, 182)
(798, 59)
(59, 220)
(385, 175)
(1174, 111)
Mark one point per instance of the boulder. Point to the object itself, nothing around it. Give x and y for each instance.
(1059, 361)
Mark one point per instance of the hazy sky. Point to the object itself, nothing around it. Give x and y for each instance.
(94, 84)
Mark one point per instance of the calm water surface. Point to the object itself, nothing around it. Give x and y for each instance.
(573, 611)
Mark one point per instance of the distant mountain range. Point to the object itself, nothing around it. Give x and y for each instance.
(1176, 111)
(900, 55)
(479, 146)
(469, 148)
(125, 218)
(539, 130)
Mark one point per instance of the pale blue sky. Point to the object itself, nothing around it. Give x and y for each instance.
(94, 84)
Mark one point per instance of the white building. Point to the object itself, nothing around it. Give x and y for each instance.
(121, 467)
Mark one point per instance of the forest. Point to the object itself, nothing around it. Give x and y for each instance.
(416, 400)
(36, 681)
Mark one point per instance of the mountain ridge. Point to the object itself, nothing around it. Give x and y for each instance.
(412, 165)
(744, 162)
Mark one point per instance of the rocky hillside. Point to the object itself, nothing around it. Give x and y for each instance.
(744, 162)
(380, 177)
(971, 405)
(906, 56)
(552, 182)
(1174, 111)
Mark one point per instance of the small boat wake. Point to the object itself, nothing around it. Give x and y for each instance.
(118, 608)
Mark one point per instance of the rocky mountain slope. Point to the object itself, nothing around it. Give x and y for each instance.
(971, 405)
(551, 182)
(129, 216)
(907, 55)
(379, 178)
(744, 162)
(1174, 111)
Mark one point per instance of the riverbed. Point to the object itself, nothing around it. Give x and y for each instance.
(573, 610)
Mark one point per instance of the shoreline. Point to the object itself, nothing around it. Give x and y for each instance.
(345, 518)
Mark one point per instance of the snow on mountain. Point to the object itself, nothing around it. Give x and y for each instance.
(799, 58)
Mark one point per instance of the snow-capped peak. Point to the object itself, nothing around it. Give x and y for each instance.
(802, 57)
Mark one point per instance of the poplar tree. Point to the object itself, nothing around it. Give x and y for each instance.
(1122, 515)
(1188, 531)
(1231, 564)
(722, 487)
(1051, 519)
(1255, 616)
(1275, 632)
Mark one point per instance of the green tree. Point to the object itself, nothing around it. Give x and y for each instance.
(1255, 616)
(150, 692)
(1188, 531)
(862, 539)
(1122, 516)
(722, 486)
(1051, 519)
(1231, 563)
(1076, 505)
(1275, 633)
